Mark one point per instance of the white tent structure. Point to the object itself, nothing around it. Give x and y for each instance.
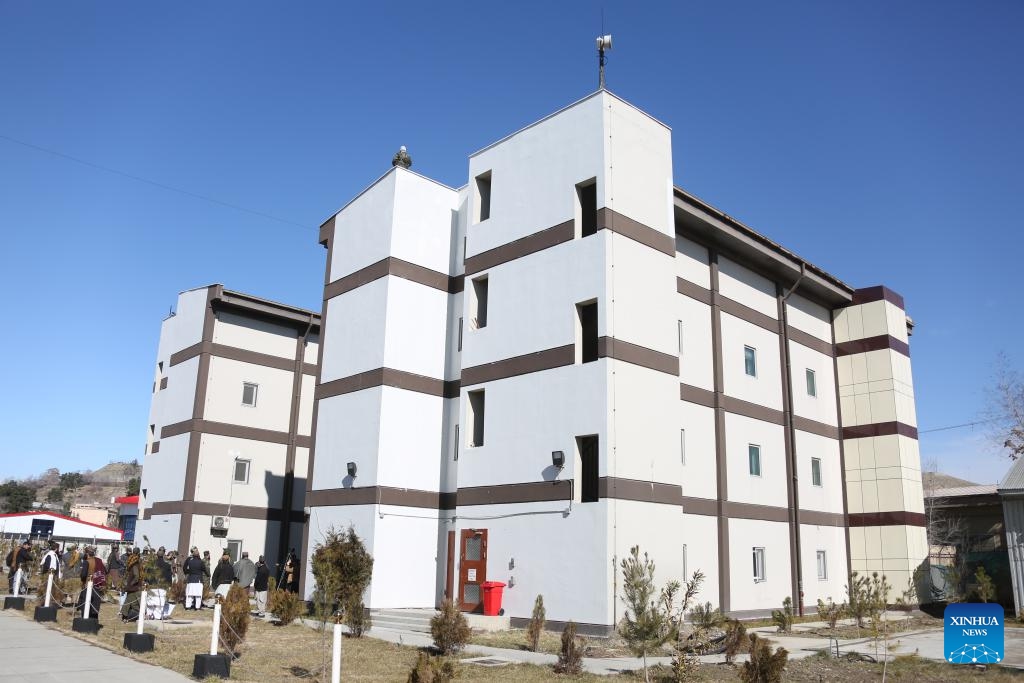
(41, 525)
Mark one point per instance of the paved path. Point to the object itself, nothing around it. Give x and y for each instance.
(32, 652)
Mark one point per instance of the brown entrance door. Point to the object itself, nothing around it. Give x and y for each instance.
(472, 569)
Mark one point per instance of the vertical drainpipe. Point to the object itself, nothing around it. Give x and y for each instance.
(791, 428)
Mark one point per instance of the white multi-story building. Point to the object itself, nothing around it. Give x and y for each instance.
(229, 429)
(569, 356)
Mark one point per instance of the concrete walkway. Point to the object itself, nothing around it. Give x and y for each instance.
(32, 652)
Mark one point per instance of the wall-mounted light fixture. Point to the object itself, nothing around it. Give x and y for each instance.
(351, 469)
(558, 459)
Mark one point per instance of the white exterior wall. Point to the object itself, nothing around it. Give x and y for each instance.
(832, 540)
(829, 496)
(700, 534)
(244, 332)
(744, 536)
(766, 388)
(770, 487)
(215, 476)
(700, 474)
(273, 395)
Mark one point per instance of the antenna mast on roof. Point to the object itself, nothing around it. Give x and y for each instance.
(603, 43)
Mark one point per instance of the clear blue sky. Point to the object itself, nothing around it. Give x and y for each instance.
(881, 141)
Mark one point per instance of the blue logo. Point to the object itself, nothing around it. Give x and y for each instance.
(974, 633)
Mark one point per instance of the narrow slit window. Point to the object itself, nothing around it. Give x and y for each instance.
(479, 302)
(754, 459)
(249, 390)
(460, 334)
(679, 336)
(455, 451)
(477, 405)
(750, 361)
(586, 207)
(684, 563)
(812, 384)
(682, 446)
(822, 566)
(816, 471)
(759, 569)
(586, 321)
(589, 452)
(483, 197)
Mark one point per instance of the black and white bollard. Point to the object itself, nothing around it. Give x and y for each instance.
(46, 612)
(336, 654)
(85, 623)
(139, 641)
(212, 664)
(15, 600)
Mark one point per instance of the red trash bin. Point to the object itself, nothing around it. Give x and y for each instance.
(493, 591)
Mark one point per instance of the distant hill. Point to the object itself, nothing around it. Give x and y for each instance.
(88, 487)
(931, 481)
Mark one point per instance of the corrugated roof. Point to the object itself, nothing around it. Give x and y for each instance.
(1014, 479)
(958, 491)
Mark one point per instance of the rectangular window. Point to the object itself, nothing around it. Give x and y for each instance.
(586, 332)
(822, 566)
(249, 394)
(589, 454)
(759, 572)
(754, 458)
(812, 385)
(586, 207)
(456, 450)
(478, 302)
(682, 446)
(234, 550)
(477, 405)
(241, 472)
(460, 334)
(483, 197)
(816, 471)
(750, 361)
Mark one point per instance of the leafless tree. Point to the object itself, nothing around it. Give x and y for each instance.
(947, 541)
(1006, 408)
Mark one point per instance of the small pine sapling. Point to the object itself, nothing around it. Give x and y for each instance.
(647, 623)
(449, 629)
(764, 666)
(783, 618)
(736, 640)
(536, 626)
(234, 622)
(986, 590)
(570, 658)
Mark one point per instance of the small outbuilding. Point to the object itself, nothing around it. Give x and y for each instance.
(40, 524)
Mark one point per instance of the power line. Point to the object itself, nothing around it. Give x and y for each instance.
(152, 182)
(965, 424)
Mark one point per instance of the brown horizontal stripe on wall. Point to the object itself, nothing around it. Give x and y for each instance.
(523, 246)
(189, 507)
(893, 518)
(241, 355)
(642, 491)
(386, 377)
(814, 427)
(327, 231)
(817, 518)
(234, 431)
(764, 513)
(694, 291)
(882, 341)
(163, 382)
(697, 395)
(527, 492)
(609, 347)
(744, 312)
(385, 495)
(548, 359)
(608, 219)
(869, 294)
(753, 410)
(879, 429)
(810, 341)
(155, 447)
(700, 506)
(398, 268)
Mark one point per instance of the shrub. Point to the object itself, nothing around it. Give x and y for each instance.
(449, 629)
(648, 621)
(536, 626)
(234, 618)
(764, 666)
(830, 612)
(342, 569)
(783, 618)
(356, 618)
(570, 658)
(284, 605)
(706, 617)
(986, 589)
(432, 670)
(736, 640)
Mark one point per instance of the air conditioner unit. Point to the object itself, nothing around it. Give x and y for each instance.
(220, 523)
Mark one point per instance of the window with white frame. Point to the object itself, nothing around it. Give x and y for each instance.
(249, 390)
(759, 573)
(750, 361)
(812, 383)
(816, 471)
(241, 475)
(754, 459)
(234, 550)
(822, 566)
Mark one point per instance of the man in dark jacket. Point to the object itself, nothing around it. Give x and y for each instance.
(223, 576)
(20, 559)
(260, 584)
(115, 565)
(93, 570)
(195, 573)
(163, 568)
(132, 585)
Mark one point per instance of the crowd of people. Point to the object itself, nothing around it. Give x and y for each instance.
(131, 571)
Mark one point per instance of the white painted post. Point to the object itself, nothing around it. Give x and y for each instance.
(142, 612)
(49, 588)
(336, 658)
(216, 629)
(17, 583)
(88, 599)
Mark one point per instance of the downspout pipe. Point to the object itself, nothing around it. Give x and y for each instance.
(792, 439)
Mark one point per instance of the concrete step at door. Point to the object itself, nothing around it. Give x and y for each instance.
(417, 620)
